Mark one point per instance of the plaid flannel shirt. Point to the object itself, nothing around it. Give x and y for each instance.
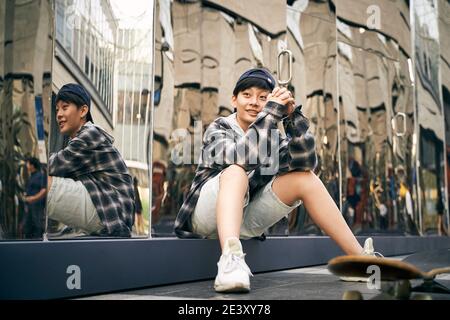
(294, 152)
(91, 158)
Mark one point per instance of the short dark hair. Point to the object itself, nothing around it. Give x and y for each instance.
(249, 83)
(70, 98)
(34, 162)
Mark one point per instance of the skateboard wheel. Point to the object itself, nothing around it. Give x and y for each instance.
(352, 295)
(402, 289)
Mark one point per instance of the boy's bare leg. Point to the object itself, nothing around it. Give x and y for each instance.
(307, 187)
(230, 202)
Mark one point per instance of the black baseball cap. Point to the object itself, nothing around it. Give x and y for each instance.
(258, 73)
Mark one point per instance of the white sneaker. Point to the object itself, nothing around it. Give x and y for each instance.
(368, 251)
(233, 273)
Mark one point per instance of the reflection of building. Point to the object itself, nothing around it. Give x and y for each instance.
(132, 119)
(84, 53)
(115, 65)
(134, 70)
(25, 89)
(29, 67)
(430, 112)
(444, 37)
(368, 86)
(384, 114)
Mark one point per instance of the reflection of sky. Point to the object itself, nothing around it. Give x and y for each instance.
(426, 13)
(133, 13)
(135, 21)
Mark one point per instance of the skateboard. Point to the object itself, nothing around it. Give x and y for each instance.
(396, 275)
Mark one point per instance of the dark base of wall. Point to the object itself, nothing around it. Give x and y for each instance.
(42, 270)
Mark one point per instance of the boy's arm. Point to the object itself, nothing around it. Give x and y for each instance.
(220, 149)
(73, 160)
(301, 148)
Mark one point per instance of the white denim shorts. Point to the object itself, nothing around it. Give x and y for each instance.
(261, 213)
(69, 202)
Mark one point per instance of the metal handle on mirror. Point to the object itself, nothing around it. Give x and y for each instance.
(284, 82)
(394, 124)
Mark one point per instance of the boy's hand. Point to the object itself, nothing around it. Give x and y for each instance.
(282, 96)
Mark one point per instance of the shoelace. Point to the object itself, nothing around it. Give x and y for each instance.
(374, 253)
(377, 254)
(233, 260)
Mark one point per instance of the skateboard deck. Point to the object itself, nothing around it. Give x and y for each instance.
(390, 269)
(423, 266)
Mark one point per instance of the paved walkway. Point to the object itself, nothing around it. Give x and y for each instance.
(312, 283)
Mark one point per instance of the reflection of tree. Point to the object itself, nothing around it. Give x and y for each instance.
(12, 123)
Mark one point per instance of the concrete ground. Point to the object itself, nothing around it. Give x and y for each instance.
(312, 283)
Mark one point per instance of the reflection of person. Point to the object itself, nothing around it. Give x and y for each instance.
(138, 208)
(406, 206)
(36, 192)
(158, 177)
(406, 203)
(377, 192)
(353, 195)
(233, 195)
(90, 187)
(440, 208)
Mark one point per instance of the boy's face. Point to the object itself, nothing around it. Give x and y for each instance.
(249, 103)
(69, 117)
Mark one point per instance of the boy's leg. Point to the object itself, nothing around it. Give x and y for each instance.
(69, 202)
(306, 186)
(219, 211)
(230, 202)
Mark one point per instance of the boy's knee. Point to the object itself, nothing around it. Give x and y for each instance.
(234, 172)
(302, 180)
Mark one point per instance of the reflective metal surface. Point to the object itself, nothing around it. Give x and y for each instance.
(26, 34)
(373, 77)
(311, 36)
(430, 129)
(107, 47)
(353, 72)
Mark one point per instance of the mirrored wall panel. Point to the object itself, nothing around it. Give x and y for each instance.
(99, 157)
(104, 105)
(26, 38)
(430, 113)
(311, 27)
(202, 47)
(355, 75)
(444, 41)
(377, 118)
